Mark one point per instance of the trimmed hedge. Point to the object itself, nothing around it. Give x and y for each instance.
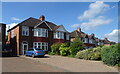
(111, 54)
(90, 54)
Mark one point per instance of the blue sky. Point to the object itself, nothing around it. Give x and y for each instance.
(100, 18)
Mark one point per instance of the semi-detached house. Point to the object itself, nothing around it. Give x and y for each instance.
(36, 33)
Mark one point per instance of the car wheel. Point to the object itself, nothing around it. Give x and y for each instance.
(33, 55)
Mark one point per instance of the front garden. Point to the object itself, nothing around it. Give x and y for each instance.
(110, 55)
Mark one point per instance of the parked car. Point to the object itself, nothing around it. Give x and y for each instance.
(35, 52)
(7, 51)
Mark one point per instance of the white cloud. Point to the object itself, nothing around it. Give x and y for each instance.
(94, 10)
(75, 25)
(113, 6)
(16, 19)
(113, 35)
(92, 23)
(9, 26)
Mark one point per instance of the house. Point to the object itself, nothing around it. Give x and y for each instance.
(36, 33)
(89, 41)
(2, 35)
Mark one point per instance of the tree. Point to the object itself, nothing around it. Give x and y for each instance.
(76, 46)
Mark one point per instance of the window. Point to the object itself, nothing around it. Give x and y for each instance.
(59, 35)
(0, 29)
(67, 37)
(12, 33)
(25, 31)
(40, 32)
(40, 45)
(90, 40)
(86, 40)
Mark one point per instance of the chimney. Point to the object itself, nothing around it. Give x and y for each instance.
(42, 18)
(106, 38)
(79, 29)
(92, 34)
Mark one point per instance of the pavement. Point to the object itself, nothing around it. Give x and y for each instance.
(20, 64)
(74, 64)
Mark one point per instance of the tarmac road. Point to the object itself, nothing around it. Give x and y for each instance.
(19, 64)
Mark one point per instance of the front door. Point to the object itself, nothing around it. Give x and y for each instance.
(25, 47)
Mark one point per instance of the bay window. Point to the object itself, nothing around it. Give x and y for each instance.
(40, 45)
(59, 35)
(67, 37)
(86, 40)
(40, 32)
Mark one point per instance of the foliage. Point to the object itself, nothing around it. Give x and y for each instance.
(64, 49)
(55, 48)
(90, 54)
(76, 46)
(111, 54)
(51, 53)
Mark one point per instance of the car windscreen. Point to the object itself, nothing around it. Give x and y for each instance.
(38, 49)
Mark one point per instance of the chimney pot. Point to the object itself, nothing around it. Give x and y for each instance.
(79, 29)
(42, 18)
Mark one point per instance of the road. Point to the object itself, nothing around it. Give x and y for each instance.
(20, 64)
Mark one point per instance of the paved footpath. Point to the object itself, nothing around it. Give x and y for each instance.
(74, 65)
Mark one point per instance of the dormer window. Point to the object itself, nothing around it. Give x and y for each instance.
(25, 31)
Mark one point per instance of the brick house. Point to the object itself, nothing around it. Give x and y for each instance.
(2, 35)
(36, 33)
(89, 41)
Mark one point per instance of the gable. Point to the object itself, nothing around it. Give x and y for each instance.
(61, 28)
(42, 25)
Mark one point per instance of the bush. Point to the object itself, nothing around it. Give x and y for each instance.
(55, 48)
(90, 54)
(111, 54)
(64, 49)
(51, 53)
(76, 46)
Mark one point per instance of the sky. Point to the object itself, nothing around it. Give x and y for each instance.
(100, 18)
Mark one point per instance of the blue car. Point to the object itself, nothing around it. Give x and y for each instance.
(35, 52)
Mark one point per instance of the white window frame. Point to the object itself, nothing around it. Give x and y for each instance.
(41, 32)
(67, 37)
(0, 29)
(59, 35)
(26, 30)
(40, 45)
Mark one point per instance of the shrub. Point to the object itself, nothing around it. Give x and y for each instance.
(64, 49)
(76, 46)
(51, 53)
(111, 54)
(55, 48)
(90, 54)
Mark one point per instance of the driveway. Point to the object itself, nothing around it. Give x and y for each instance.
(73, 64)
(20, 64)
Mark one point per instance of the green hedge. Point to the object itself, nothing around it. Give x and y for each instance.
(64, 49)
(90, 54)
(111, 54)
(76, 46)
(55, 48)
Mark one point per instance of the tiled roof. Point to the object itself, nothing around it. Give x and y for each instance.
(31, 22)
